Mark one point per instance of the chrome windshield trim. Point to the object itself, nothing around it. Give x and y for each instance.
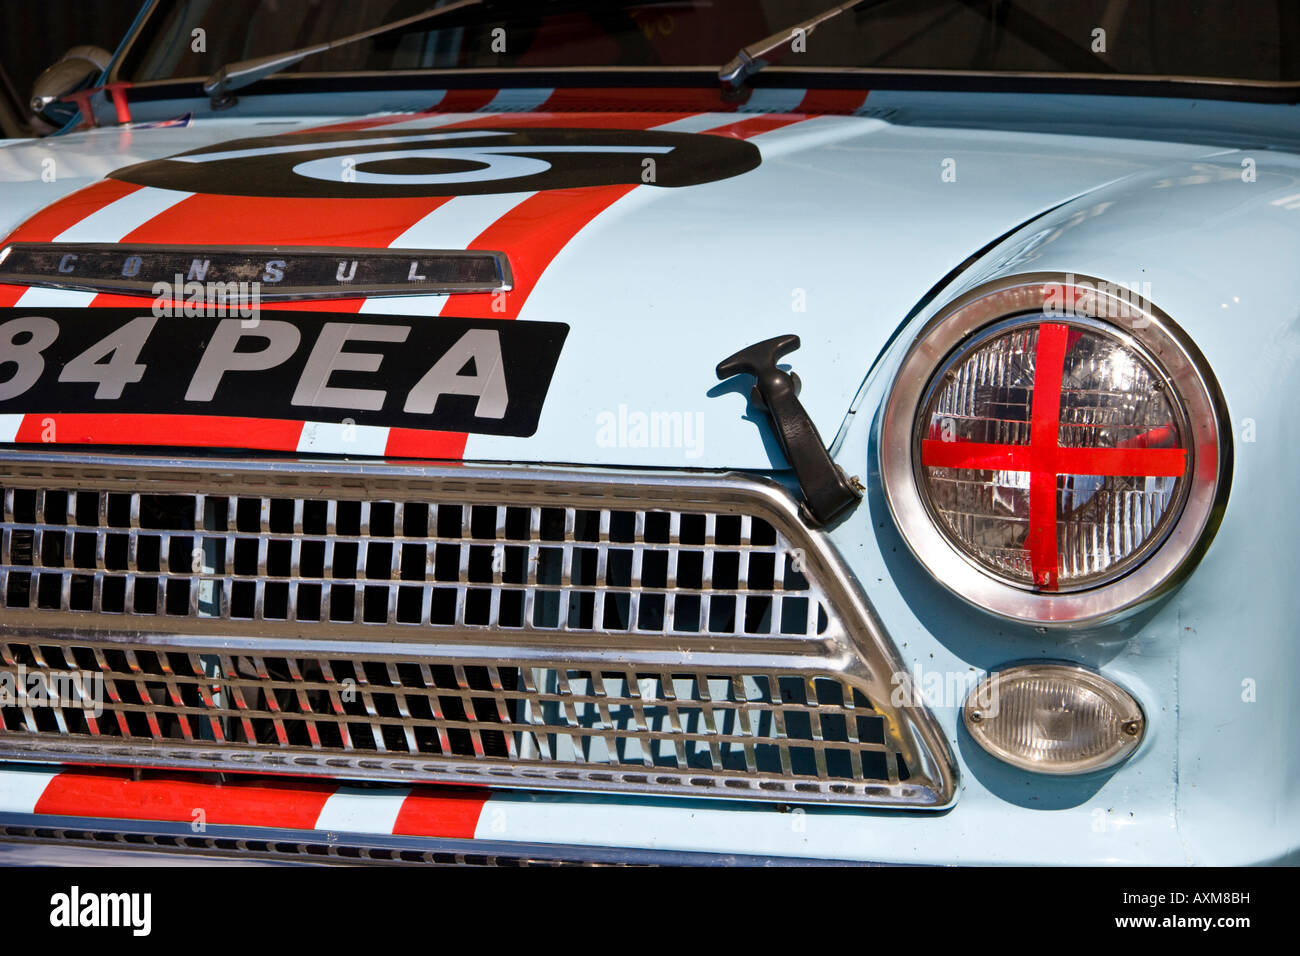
(882, 78)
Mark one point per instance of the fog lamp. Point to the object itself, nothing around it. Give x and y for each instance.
(1054, 718)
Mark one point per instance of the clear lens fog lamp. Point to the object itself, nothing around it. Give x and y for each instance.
(1054, 718)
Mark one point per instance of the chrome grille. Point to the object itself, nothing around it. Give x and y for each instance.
(530, 627)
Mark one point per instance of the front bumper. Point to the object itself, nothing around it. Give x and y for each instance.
(45, 819)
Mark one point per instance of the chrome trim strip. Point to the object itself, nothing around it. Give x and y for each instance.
(794, 73)
(309, 272)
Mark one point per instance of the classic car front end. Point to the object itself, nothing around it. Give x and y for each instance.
(564, 464)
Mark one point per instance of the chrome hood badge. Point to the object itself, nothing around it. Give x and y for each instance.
(281, 272)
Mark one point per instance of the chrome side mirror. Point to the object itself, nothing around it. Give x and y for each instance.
(73, 71)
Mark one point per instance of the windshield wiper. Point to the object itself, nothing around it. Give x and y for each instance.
(234, 76)
(750, 59)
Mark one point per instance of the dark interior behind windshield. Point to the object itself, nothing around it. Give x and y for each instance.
(1254, 40)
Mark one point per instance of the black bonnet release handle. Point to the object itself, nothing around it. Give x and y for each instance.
(827, 491)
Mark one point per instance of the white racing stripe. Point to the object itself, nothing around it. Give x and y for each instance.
(591, 820)
(123, 216)
(56, 298)
(459, 221)
(9, 427)
(357, 810)
(20, 790)
(701, 121)
(337, 438)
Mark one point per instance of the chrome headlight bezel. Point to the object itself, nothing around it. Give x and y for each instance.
(959, 327)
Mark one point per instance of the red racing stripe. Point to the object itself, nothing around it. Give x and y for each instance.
(754, 125)
(201, 431)
(832, 101)
(450, 814)
(257, 802)
(418, 443)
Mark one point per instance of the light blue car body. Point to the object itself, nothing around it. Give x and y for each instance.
(850, 235)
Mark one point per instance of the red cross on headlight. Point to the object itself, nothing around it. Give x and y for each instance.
(1045, 459)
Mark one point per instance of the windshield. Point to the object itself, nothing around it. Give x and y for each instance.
(188, 39)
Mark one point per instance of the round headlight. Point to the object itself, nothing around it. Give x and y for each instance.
(1052, 451)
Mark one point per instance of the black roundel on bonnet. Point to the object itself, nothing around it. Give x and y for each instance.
(445, 162)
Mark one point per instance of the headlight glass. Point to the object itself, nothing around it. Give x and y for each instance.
(1053, 454)
(1055, 450)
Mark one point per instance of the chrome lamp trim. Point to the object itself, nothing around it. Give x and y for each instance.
(1019, 298)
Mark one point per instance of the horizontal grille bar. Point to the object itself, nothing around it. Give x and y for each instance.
(396, 562)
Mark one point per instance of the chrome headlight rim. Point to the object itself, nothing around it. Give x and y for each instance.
(1005, 302)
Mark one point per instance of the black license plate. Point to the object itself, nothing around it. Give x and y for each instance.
(486, 376)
